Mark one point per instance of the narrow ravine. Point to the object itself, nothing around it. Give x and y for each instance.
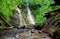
(24, 33)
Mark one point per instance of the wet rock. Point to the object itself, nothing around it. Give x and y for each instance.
(11, 31)
(26, 35)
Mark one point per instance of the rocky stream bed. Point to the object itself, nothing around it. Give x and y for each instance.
(23, 34)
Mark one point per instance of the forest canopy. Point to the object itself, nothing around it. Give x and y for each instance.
(38, 8)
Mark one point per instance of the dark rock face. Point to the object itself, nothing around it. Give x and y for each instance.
(47, 15)
(37, 27)
(57, 2)
(56, 34)
(22, 27)
(34, 6)
(52, 24)
(58, 37)
(11, 31)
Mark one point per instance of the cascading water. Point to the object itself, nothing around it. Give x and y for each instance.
(22, 22)
(30, 16)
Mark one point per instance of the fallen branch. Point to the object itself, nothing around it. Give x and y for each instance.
(1, 17)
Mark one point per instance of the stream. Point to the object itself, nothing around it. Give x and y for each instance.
(24, 34)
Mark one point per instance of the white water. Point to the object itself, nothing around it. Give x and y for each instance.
(22, 22)
(30, 16)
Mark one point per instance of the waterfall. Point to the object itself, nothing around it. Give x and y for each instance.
(30, 16)
(22, 22)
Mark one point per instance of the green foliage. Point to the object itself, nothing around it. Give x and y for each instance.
(40, 11)
(41, 2)
(1, 22)
(7, 7)
(45, 7)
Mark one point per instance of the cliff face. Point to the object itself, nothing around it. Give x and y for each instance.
(54, 19)
(52, 23)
